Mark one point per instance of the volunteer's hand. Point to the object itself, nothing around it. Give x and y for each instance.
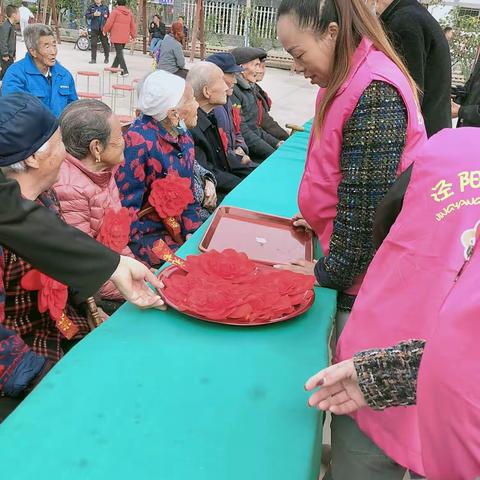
(338, 390)
(299, 266)
(131, 279)
(299, 222)
(96, 14)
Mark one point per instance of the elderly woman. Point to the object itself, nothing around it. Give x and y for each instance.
(170, 56)
(86, 187)
(158, 142)
(35, 307)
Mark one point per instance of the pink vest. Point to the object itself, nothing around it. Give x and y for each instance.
(448, 392)
(414, 270)
(318, 196)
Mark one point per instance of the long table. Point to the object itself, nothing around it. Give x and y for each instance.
(157, 395)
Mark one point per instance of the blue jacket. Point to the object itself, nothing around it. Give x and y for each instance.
(97, 23)
(24, 76)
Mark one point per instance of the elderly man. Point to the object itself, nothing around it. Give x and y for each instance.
(260, 143)
(39, 73)
(35, 307)
(268, 123)
(211, 145)
(228, 116)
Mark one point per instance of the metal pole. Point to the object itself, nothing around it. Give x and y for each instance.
(248, 18)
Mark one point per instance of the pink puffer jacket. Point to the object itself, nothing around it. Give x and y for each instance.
(84, 197)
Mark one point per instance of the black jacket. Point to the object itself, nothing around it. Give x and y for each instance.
(157, 32)
(260, 143)
(97, 23)
(8, 40)
(268, 123)
(420, 40)
(42, 239)
(469, 114)
(210, 153)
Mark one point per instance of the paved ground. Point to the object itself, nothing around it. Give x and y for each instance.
(293, 96)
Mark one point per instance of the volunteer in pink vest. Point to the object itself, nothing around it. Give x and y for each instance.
(421, 285)
(367, 121)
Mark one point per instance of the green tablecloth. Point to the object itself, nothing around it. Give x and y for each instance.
(156, 395)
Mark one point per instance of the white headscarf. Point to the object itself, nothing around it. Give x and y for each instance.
(159, 92)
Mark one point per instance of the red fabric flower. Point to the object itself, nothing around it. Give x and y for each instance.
(171, 195)
(237, 118)
(52, 295)
(224, 138)
(228, 286)
(115, 230)
(228, 265)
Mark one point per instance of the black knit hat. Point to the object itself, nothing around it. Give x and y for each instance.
(25, 125)
(244, 55)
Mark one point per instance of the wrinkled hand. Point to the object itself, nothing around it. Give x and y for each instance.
(299, 266)
(280, 143)
(455, 109)
(131, 279)
(338, 391)
(246, 160)
(6, 58)
(299, 222)
(210, 193)
(240, 151)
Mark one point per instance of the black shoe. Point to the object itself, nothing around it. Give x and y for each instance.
(92, 61)
(106, 60)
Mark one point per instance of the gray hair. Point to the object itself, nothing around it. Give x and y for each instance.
(83, 121)
(200, 75)
(32, 34)
(21, 166)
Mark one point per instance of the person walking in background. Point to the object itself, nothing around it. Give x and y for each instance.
(171, 58)
(97, 14)
(8, 38)
(121, 26)
(420, 41)
(157, 30)
(25, 16)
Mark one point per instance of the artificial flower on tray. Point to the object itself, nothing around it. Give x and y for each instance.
(228, 287)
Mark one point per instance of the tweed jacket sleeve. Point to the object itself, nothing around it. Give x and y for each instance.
(388, 377)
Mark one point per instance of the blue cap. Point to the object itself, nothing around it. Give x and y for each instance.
(25, 125)
(226, 61)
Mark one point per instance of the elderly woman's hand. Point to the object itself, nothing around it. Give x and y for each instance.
(210, 193)
(338, 390)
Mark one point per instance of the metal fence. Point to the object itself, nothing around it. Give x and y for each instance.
(222, 18)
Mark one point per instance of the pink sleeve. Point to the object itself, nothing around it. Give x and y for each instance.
(75, 207)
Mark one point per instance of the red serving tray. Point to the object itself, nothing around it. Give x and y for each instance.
(266, 239)
(299, 309)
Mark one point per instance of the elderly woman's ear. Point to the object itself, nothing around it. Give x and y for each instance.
(32, 161)
(173, 117)
(96, 150)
